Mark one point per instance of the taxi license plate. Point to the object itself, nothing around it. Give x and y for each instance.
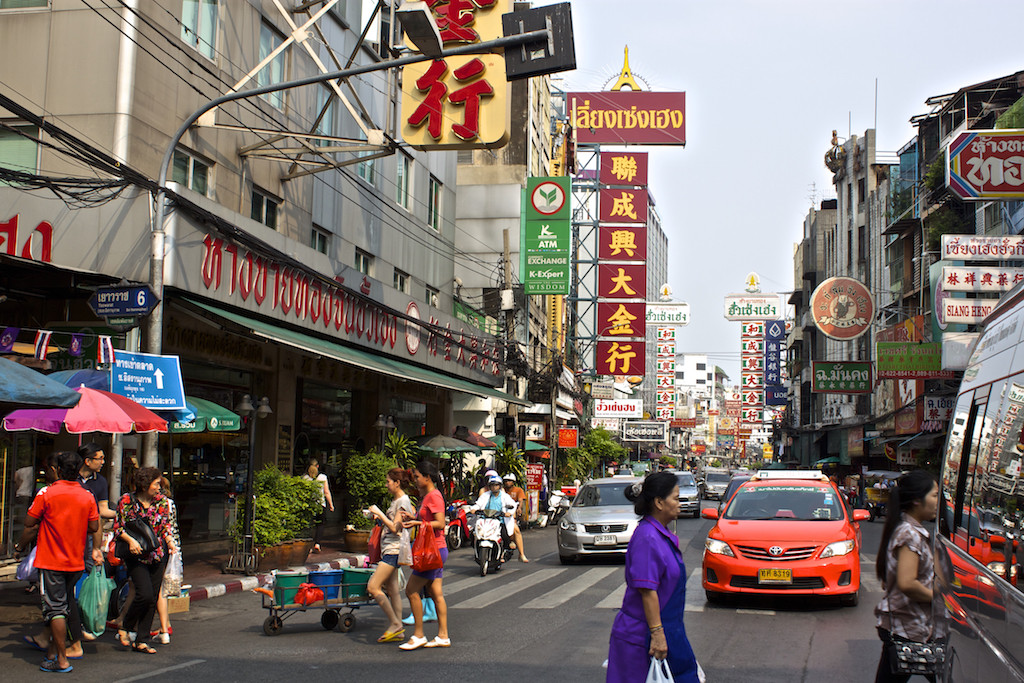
(604, 540)
(775, 576)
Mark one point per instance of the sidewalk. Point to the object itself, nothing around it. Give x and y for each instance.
(204, 572)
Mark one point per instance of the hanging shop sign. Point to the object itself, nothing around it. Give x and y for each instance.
(986, 164)
(621, 319)
(623, 168)
(966, 279)
(620, 357)
(620, 408)
(644, 431)
(602, 390)
(840, 378)
(668, 314)
(775, 396)
(629, 117)
(622, 242)
(908, 360)
(622, 281)
(970, 311)
(843, 308)
(752, 306)
(621, 206)
(610, 424)
(547, 236)
(978, 248)
(568, 437)
(459, 102)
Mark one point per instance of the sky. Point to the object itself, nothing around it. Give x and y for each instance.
(766, 83)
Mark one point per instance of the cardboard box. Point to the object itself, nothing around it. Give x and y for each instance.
(180, 604)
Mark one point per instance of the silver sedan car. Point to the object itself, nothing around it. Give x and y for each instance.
(600, 522)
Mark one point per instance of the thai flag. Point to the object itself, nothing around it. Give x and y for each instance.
(105, 355)
(7, 339)
(42, 343)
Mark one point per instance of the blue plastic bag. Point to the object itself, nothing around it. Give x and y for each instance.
(94, 599)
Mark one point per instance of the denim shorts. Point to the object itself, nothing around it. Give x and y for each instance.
(390, 559)
(434, 573)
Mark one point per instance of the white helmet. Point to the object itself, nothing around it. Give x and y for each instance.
(509, 477)
(490, 473)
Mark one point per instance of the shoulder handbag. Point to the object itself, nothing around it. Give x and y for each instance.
(142, 533)
(914, 657)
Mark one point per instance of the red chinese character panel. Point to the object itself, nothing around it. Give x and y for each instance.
(622, 242)
(623, 206)
(623, 168)
(621, 357)
(622, 281)
(621, 319)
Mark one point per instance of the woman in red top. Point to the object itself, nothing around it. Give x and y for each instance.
(429, 518)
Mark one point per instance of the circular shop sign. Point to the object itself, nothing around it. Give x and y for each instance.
(843, 308)
(547, 198)
(412, 330)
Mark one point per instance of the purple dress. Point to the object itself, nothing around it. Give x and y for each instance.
(653, 561)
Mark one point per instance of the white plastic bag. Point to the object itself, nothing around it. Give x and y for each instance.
(27, 568)
(173, 575)
(659, 671)
(404, 549)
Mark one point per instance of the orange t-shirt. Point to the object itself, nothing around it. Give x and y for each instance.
(64, 510)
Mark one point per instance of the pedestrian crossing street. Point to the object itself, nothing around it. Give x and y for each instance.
(516, 584)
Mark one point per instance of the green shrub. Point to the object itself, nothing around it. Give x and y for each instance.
(366, 484)
(285, 507)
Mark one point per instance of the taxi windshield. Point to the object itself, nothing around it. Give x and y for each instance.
(798, 503)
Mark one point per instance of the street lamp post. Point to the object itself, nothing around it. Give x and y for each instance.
(244, 559)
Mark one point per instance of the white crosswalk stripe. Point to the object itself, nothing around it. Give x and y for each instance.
(695, 599)
(504, 590)
(570, 590)
(471, 581)
(614, 599)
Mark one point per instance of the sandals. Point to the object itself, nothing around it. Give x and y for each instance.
(123, 639)
(143, 648)
(413, 643)
(392, 636)
(51, 666)
(439, 642)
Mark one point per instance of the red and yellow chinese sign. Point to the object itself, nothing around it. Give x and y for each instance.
(621, 357)
(622, 281)
(459, 102)
(629, 117)
(623, 206)
(623, 168)
(622, 243)
(621, 318)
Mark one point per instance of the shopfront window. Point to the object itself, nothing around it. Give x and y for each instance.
(21, 458)
(325, 429)
(410, 417)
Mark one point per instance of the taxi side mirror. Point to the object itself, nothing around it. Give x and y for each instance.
(861, 515)
(709, 513)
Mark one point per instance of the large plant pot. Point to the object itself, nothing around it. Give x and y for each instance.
(299, 550)
(283, 555)
(357, 540)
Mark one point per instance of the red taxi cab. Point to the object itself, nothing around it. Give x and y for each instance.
(784, 532)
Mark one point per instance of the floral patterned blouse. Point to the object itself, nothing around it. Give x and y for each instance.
(156, 514)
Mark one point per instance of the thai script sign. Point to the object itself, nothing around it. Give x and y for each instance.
(623, 206)
(547, 236)
(619, 408)
(668, 314)
(622, 242)
(629, 117)
(977, 248)
(620, 357)
(644, 431)
(938, 408)
(970, 311)
(602, 390)
(609, 423)
(623, 168)
(10, 240)
(902, 360)
(840, 378)
(752, 306)
(986, 164)
(842, 307)
(966, 279)
(459, 102)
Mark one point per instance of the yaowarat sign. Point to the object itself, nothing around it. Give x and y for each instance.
(986, 164)
(459, 102)
(629, 117)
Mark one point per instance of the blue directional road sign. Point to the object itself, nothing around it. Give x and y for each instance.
(120, 302)
(148, 379)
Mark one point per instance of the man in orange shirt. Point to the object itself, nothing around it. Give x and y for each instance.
(65, 513)
(518, 495)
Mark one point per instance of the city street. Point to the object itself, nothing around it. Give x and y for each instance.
(538, 621)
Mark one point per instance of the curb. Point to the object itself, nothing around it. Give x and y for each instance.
(216, 590)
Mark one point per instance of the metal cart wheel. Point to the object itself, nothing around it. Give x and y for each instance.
(329, 619)
(346, 623)
(272, 625)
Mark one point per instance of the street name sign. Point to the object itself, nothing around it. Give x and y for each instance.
(150, 380)
(122, 302)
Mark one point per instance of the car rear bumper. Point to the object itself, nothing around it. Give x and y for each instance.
(833, 576)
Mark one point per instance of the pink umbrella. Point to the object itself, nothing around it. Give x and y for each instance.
(97, 411)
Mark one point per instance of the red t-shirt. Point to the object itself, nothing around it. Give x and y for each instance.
(64, 510)
(433, 503)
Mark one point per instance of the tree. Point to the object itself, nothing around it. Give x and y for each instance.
(579, 463)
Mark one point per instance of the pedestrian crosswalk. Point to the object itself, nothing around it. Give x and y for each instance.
(559, 585)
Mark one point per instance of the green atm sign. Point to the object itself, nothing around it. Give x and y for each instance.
(547, 235)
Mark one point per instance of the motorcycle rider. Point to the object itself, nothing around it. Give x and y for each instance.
(519, 495)
(494, 498)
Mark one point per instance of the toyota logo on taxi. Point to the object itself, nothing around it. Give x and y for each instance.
(775, 550)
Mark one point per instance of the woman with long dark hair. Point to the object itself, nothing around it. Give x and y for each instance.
(905, 567)
(383, 585)
(650, 623)
(429, 519)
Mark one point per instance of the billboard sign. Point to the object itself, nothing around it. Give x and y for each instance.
(629, 117)
(978, 248)
(752, 306)
(621, 319)
(623, 168)
(668, 314)
(644, 431)
(619, 408)
(623, 206)
(966, 279)
(843, 308)
(841, 378)
(909, 360)
(622, 242)
(986, 164)
(547, 236)
(620, 357)
(970, 311)
(622, 281)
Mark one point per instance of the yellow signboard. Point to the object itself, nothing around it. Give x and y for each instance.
(459, 102)
(767, 451)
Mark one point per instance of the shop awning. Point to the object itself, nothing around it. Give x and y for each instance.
(358, 357)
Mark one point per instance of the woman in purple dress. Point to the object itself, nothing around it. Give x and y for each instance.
(650, 623)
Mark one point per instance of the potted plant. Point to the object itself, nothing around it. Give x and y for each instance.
(284, 510)
(366, 485)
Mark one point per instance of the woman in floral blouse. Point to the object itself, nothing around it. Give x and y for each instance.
(145, 571)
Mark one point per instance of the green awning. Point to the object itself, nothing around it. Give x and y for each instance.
(358, 357)
(831, 460)
(210, 417)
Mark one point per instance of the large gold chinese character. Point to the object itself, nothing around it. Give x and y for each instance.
(622, 283)
(624, 168)
(623, 240)
(619, 356)
(623, 206)
(621, 321)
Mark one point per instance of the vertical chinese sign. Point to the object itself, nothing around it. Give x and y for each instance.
(459, 102)
(774, 335)
(666, 374)
(622, 264)
(547, 235)
(752, 373)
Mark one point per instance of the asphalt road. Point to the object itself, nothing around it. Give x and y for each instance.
(535, 622)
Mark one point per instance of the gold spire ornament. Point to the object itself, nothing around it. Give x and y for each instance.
(626, 77)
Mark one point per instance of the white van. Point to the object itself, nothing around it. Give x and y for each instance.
(979, 539)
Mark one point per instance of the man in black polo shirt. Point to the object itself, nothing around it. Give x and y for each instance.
(96, 484)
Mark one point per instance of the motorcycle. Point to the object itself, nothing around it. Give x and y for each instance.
(558, 505)
(458, 532)
(491, 548)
